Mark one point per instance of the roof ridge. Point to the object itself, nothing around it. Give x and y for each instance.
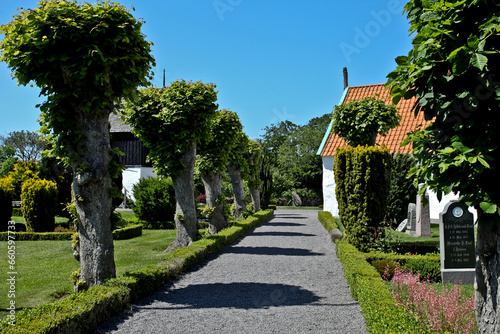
(372, 85)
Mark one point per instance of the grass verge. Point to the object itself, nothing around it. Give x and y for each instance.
(83, 311)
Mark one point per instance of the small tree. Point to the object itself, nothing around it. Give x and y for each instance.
(171, 122)
(359, 122)
(85, 58)
(215, 153)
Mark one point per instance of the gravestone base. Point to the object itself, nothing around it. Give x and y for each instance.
(458, 276)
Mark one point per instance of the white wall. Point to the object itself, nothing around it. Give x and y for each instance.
(132, 175)
(330, 201)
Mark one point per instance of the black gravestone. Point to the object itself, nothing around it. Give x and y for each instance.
(458, 230)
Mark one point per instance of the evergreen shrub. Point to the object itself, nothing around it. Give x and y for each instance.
(154, 199)
(39, 205)
(5, 203)
(362, 176)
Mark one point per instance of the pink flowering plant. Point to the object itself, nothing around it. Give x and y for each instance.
(448, 311)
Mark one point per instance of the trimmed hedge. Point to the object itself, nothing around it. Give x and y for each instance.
(429, 266)
(39, 205)
(362, 176)
(128, 232)
(376, 301)
(5, 203)
(369, 289)
(38, 236)
(83, 311)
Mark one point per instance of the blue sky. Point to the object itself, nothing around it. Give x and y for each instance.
(272, 60)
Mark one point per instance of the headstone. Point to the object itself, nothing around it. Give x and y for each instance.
(412, 218)
(456, 233)
(296, 199)
(423, 219)
(402, 227)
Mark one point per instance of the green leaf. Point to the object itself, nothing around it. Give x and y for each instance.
(488, 207)
(479, 61)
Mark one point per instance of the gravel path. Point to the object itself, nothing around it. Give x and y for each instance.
(283, 277)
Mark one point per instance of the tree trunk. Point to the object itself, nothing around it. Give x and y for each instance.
(185, 216)
(255, 194)
(487, 273)
(213, 189)
(238, 191)
(91, 189)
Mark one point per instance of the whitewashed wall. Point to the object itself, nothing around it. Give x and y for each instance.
(329, 199)
(132, 175)
(331, 204)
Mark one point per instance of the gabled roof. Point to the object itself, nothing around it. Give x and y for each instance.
(395, 136)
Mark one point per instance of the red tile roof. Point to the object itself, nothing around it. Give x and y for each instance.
(395, 136)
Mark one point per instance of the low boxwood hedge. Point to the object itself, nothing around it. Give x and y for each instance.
(83, 311)
(428, 266)
(128, 232)
(369, 289)
(131, 231)
(376, 301)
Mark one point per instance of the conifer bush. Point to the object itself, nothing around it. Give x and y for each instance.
(362, 176)
(39, 205)
(154, 199)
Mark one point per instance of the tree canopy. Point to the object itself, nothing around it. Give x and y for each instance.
(454, 69)
(359, 121)
(27, 145)
(168, 120)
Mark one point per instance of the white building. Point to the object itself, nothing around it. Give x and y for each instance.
(135, 154)
(392, 140)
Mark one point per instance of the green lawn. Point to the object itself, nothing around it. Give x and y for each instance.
(43, 267)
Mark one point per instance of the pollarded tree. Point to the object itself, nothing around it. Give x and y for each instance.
(85, 58)
(171, 122)
(453, 68)
(215, 153)
(253, 155)
(359, 122)
(237, 167)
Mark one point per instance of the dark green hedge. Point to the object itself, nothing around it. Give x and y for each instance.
(37, 236)
(83, 311)
(428, 266)
(368, 288)
(376, 301)
(362, 177)
(128, 232)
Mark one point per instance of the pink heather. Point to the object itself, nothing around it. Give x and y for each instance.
(445, 312)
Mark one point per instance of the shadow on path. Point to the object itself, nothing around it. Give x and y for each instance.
(237, 295)
(271, 251)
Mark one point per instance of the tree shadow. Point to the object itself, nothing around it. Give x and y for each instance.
(236, 295)
(272, 251)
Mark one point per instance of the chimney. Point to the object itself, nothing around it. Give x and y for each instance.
(346, 81)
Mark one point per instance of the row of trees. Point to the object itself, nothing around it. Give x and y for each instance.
(182, 127)
(88, 58)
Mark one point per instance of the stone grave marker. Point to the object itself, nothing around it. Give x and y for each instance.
(456, 234)
(402, 227)
(412, 219)
(423, 216)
